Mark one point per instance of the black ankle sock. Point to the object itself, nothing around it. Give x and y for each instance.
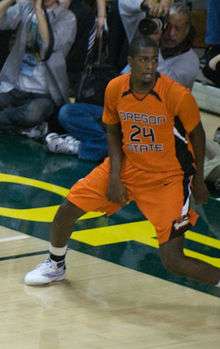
(57, 258)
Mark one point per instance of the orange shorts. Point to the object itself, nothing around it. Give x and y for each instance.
(164, 200)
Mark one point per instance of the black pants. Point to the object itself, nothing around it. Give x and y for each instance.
(21, 110)
(85, 16)
(118, 42)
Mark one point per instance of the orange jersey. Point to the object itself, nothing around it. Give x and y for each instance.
(154, 128)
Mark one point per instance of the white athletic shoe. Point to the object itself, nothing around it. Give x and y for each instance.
(62, 144)
(45, 273)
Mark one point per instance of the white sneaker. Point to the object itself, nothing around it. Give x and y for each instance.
(62, 144)
(45, 273)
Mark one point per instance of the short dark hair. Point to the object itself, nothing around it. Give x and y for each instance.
(140, 41)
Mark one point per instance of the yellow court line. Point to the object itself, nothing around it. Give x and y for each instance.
(203, 239)
(41, 214)
(56, 189)
(202, 257)
(38, 214)
(142, 231)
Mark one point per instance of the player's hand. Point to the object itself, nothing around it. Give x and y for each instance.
(117, 192)
(199, 190)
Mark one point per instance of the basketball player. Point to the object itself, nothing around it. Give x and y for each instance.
(156, 152)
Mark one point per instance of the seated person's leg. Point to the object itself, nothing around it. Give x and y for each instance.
(33, 112)
(37, 111)
(80, 120)
(6, 100)
(84, 122)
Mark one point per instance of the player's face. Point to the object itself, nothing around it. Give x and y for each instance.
(144, 64)
(176, 30)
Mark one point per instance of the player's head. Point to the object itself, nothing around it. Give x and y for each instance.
(143, 58)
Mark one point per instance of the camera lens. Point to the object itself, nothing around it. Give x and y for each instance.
(147, 26)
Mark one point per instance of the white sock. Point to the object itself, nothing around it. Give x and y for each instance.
(57, 251)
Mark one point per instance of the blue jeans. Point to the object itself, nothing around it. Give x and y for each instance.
(84, 122)
(213, 23)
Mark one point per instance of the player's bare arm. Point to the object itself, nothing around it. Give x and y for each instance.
(116, 190)
(197, 139)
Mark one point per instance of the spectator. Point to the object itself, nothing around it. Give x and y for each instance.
(33, 80)
(118, 42)
(177, 58)
(91, 18)
(131, 12)
(212, 166)
(212, 70)
(176, 47)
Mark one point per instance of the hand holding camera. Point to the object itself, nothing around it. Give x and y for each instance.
(157, 8)
(152, 23)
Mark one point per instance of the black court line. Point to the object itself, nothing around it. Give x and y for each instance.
(23, 255)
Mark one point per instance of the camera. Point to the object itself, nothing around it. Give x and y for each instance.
(150, 25)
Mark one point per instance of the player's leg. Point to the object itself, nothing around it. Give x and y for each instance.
(88, 194)
(63, 223)
(167, 207)
(53, 268)
(171, 226)
(175, 261)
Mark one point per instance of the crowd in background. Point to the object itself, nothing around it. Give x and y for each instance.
(49, 50)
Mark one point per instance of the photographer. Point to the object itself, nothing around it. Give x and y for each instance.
(131, 12)
(176, 40)
(177, 57)
(33, 80)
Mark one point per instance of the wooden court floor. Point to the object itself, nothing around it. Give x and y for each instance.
(116, 294)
